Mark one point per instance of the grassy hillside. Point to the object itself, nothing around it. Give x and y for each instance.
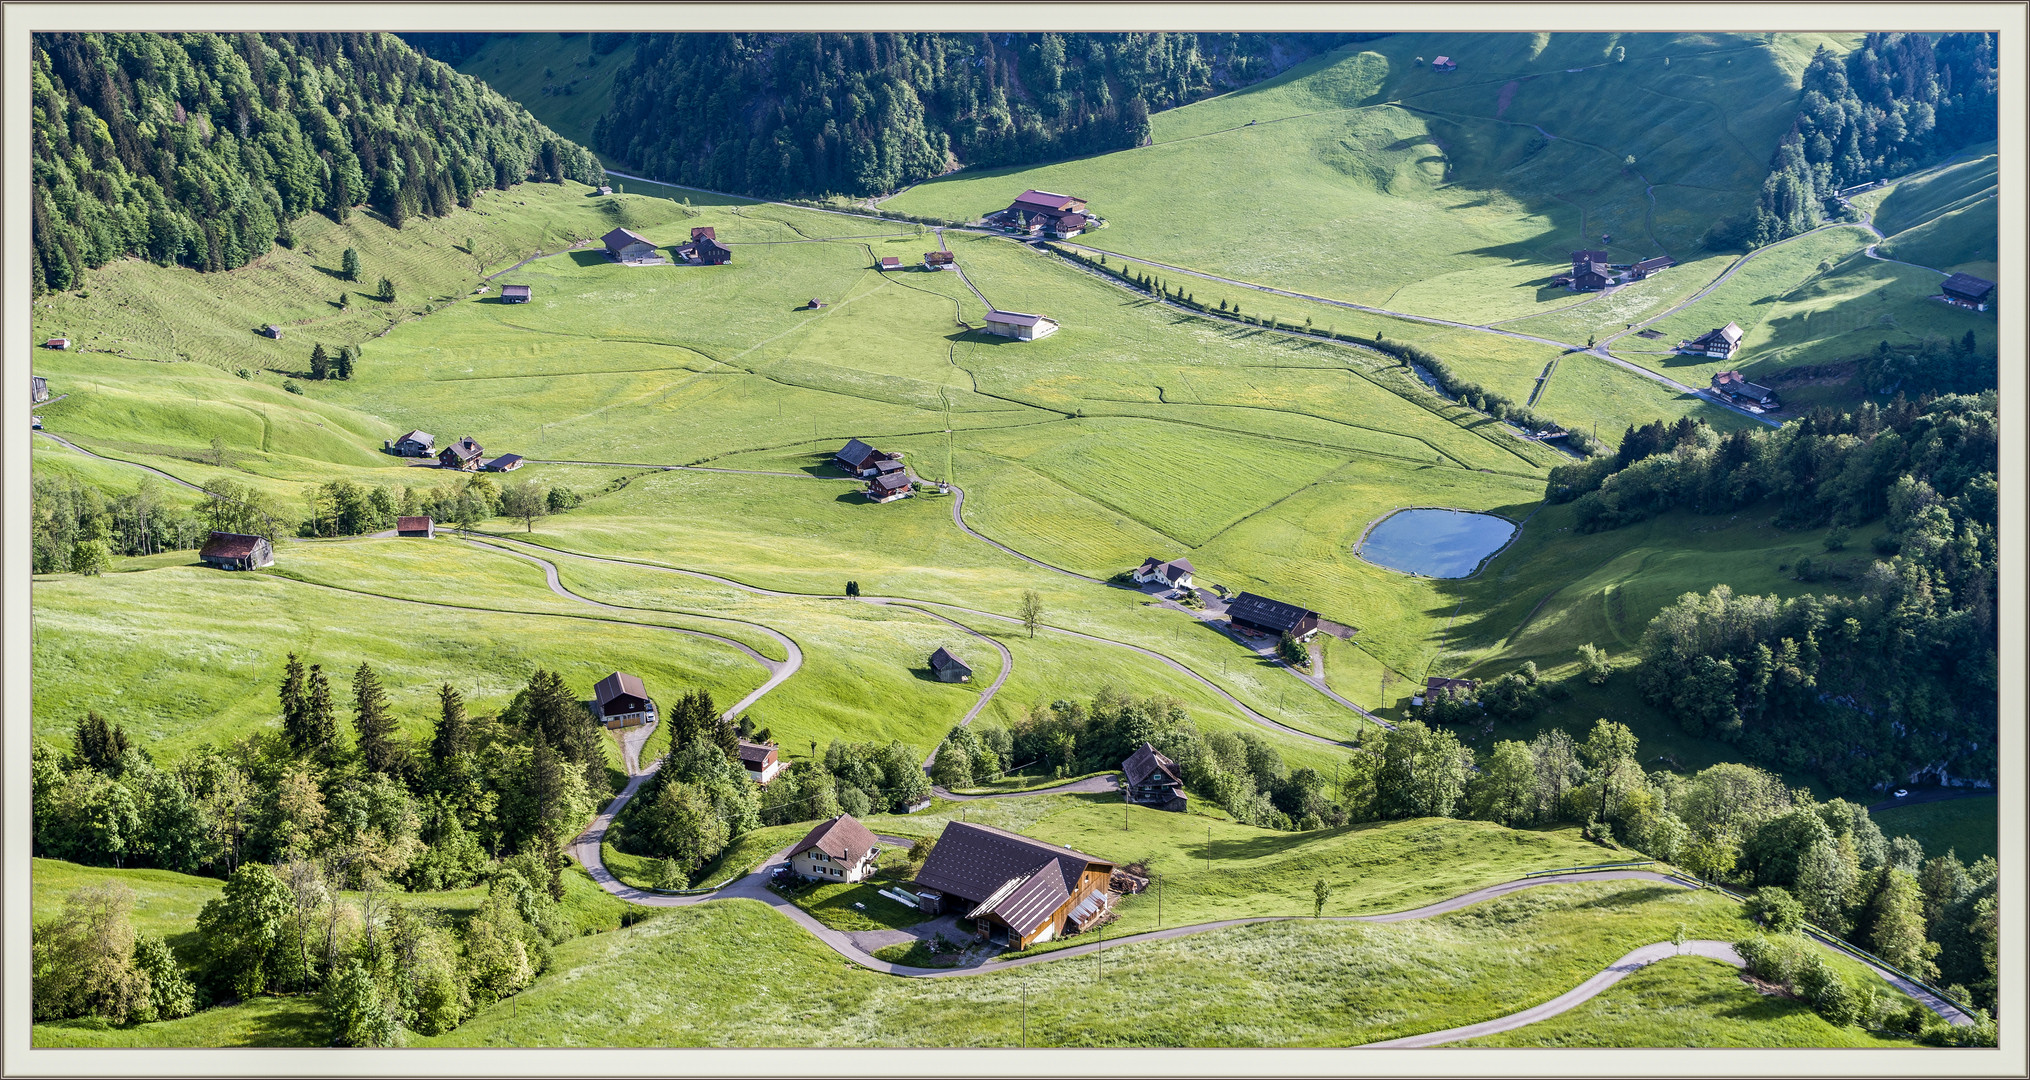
(556, 76)
(1944, 218)
(1375, 179)
(1969, 826)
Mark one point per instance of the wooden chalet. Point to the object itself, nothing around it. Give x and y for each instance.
(1444, 63)
(703, 232)
(707, 251)
(949, 668)
(1649, 267)
(1034, 211)
(237, 551)
(619, 700)
(1154, 780)
(888, 487)
(759, 760)
(1967, 291)
(503, 463)
(514, 294)
(463, 454)
(940, 260)
(1738, 389)
(420, 527)
(1265, 616)
(628, 246)
(888, 262)
(1176, 573)
(1721, 343)
(841, 849)
(1017, 891)
(864, 461)
(418, 443)
(1590, 271)
(1436, 685)
(1020, 326)
(1069, 225)
(38, 389)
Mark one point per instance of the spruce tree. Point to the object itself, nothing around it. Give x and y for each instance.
(320, 725)
(320, 365)
(100, 745)
(387, 291)
(372, 723)
(294, 705)
(349, 264)
(343, 369)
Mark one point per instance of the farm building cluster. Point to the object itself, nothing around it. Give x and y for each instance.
(621, 700)
(1751, 396)
(1034, 213)
(887, 478)
(1591, 271)
(1017, 891)
(630, 248)
(465, 455)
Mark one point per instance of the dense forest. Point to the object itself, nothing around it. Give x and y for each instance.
(200, 149)
(1899, 102)
(860, 114)
(1869, 689)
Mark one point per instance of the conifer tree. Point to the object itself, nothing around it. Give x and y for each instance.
(372, 724)
(349, 264)
(343, 368)
(320, 725)
(100, 745)
(294, 704)
(320, 365)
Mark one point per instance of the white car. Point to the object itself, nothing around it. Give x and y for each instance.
(1901, 792)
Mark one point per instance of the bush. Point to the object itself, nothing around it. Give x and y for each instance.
(1829, 995)
(1775, 908)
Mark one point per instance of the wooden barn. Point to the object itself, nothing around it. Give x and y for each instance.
(949, 668)
(707, 251)
(422, 528)
(1273, 617)
(1721, 343)
(514, 294)
(1020, 326)
(864, 461)
(1444, 63)
(57, 343)
(1154, 780)
(1650, 267)
(888, 487)
(463, 454)
(1018, 892)
(620, 700)
(418, 443)
(237, 551)
(503, 463)
(273, 331)
(628, 246)
(1967, 291)
(888, 262)
(1736, 388)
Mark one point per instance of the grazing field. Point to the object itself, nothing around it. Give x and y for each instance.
(1969, 826)
(1944, 218)
(558, 77)
(1686, 1002)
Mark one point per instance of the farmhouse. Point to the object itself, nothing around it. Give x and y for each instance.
(1175, 573)
(628, 246)
(237, 551)
(864, 461)
(57, 343)
(1021, 327)
(1444, 63)
(889, 262)
(1720, 343)
(504, 463)
(418, 443)
(1265, 616)
(707, 251)
(837, 850)
(1034, 211)
(1154, 780)
(949, 668)
(514, 294)
(1018, 892)
(1738, 389)
(619, 700)
(1068, 226)
(38, 389)
(888, 487)
(463, 454)
(420, 527)
(940, 260)
(759, 760)
(1436, 685)
(1648, 267)
(1590, 272)
(1967, 291)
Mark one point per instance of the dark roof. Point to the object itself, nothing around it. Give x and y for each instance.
(888, 483)
(1968, 285)
(225, 545)
(1580, 258)
(704, 232)
(465, 448)
(943, 659)
(887, 465)
(1049, 200)
(1730, 333)
(706, 243)
(616, 684)
(973, 862)
(621, 238)
(1439, 682)
(1147, 762)
(505, 461)
(413, 524)
(1172, 571)
(939, 256)
(514, 290)
(1658, 263)
(1016, 318)
(1025, 903)
(843, 838)
(1071, 221)
(855, 453)
(754, 752)
(419, 437)
(1262, 611)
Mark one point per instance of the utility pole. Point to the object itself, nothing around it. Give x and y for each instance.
(1159, 903)
(1208, 849)
(1102, 952)
(1025, 1013)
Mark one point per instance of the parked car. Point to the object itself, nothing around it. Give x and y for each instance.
(1901, 792)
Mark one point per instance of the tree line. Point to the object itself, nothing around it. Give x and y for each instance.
(779, 114)
(1898, 103)
(199, 150)
(1867, 689)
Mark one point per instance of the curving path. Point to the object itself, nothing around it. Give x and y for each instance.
(1091, 785)
(61, 441)
(959, 503)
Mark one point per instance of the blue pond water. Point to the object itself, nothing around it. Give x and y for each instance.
(1435, 543)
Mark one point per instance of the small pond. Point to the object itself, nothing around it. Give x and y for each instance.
(1435, 543)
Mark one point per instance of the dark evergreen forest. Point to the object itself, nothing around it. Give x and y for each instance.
(199, 149)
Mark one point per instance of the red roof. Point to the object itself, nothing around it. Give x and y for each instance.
(890, 260)
(413, 524)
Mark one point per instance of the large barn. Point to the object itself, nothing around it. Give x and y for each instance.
(1018, 892)
(1265, 616)
(1019, 325)
(237, 551)
(628, 246)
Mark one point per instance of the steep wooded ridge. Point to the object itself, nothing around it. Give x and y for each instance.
(1898, 103)
(863, 114)
(198, 149)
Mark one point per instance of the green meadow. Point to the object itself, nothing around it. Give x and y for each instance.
(1970, 826)
(1944, 217)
